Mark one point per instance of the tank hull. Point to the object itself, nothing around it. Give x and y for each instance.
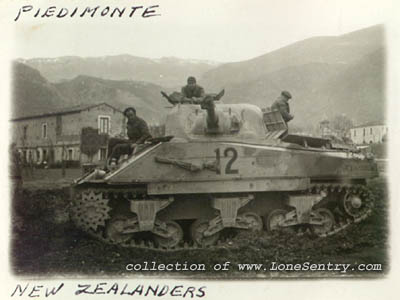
(221, 167)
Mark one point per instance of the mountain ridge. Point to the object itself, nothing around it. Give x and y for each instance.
(165, 71)
(332, 49)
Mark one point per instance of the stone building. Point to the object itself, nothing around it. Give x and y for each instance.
(56, 136)
(373, 132)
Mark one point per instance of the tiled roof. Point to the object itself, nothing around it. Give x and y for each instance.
(370, 124)
(65, 110)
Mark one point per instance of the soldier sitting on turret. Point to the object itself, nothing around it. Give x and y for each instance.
(191, 91)
(281, 104)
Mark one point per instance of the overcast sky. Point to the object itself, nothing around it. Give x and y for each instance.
(214, 30)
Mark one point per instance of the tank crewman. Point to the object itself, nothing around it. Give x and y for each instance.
(282, 105)
(138, 133)
(192, 90)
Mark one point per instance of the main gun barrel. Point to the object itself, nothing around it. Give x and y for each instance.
(212, 118)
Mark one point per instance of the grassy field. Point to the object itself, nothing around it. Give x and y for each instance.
(49, 178)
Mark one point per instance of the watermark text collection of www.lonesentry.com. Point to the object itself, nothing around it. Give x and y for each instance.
(32, 290)
(273, 266)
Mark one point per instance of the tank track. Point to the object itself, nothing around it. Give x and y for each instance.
(345, 220)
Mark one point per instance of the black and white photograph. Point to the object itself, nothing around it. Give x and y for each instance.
(199, 149)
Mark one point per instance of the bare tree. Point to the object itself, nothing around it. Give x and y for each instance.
(92, 141)
(341, 124)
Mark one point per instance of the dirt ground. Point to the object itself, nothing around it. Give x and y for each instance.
(44, 242)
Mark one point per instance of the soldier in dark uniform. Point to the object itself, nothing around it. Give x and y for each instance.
(192, 90)
(138, 133)
(282, 105)
(15, 168)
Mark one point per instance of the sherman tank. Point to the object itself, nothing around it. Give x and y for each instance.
(223, 167)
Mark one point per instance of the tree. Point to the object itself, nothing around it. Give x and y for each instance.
(341, 124)
(92, 141)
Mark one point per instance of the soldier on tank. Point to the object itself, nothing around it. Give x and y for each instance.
(281, 104)
(138, 133)
(192, 90)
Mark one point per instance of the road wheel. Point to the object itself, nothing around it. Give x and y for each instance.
(115, 230)
(175, 235)
(274, 219)
(253, 221)
(328, 221)
(197, 233)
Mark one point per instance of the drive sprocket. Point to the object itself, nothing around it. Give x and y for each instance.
(90, 210)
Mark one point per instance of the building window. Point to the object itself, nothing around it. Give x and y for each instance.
(102, 153)
(104, 124)
(70, 154)
(44, 130)
(370, 130)
(25, 133)
(364, 132)
(355, 132)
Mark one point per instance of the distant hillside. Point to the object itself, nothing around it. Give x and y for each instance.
(343, 49)
(168, 72)
(321, 90)
(145, 97)
(359, 91)
(326, 75)
(33, 94)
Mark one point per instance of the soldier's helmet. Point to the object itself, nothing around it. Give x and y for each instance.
(286, 94)
(191, 79)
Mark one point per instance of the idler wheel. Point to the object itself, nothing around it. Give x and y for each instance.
(275, 218)
(353, 205)
(173, 235)
(328, 221)
(197, 233)
(252, 221)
